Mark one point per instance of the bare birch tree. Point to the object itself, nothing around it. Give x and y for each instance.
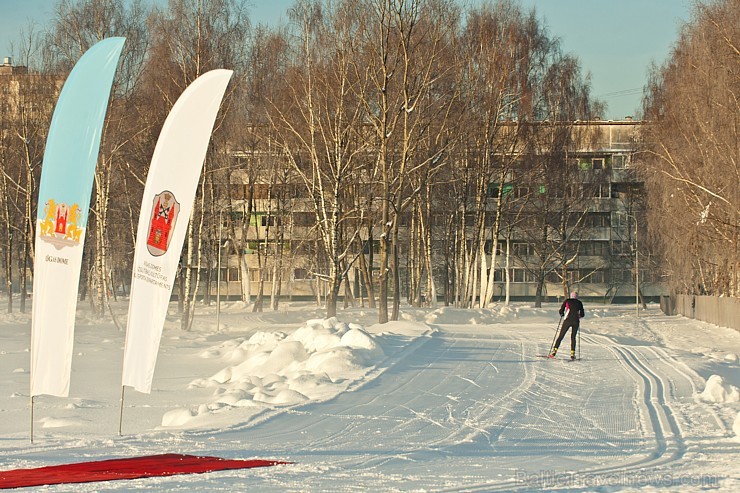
(400, 47)
(691, 164)
(319, 125)
(28, 102)
(190, 38)
(498, 39)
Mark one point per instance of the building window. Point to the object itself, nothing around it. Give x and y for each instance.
(620, 248)
(596, 190)
(623, 220)
(257, 275)
(553, 277)
(521, 275)
(238, 191)
(500, 247)
(598, 220)
(494, 190)
(619, 161)
(269, 221)
(598, 163)
(522, 249)
(596, 277)
(260, 191)
(624, 190)
(576, 191)
(622, 276)
(595, 248)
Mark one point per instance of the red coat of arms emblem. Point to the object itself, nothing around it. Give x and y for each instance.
(165, 210)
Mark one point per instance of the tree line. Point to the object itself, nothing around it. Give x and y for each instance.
(692, 160)
(369, 116)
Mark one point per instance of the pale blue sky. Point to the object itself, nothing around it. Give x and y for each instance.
(615, 39)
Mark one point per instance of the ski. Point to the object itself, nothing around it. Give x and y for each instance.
(561, 359)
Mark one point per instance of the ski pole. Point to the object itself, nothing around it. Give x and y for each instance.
(552, 344)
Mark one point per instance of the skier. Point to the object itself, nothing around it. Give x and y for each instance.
(572, 311)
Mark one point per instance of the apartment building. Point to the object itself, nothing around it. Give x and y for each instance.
(602, 251)
(599, 253)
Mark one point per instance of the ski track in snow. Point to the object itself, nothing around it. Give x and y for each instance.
(465, 407)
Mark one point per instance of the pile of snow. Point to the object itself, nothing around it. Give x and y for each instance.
(316, 362)
(485, 316)
(719, 391)
(450, 315)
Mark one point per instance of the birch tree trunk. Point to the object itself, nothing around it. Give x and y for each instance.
(187, 275)
(8, 235)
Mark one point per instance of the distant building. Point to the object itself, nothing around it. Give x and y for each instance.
(602, 247)
(26, 105)
(21, 91)
(7, 67)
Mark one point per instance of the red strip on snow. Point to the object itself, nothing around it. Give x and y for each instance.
(128, 468)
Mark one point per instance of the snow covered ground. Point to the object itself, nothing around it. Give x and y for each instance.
(444, 400)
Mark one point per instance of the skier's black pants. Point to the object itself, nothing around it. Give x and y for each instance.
(568, 324)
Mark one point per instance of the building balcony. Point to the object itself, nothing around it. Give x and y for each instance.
(624, 175)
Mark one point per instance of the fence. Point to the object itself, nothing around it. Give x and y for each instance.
(712, 309)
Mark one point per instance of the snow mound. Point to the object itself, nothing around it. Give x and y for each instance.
(177, 417)
(495, 314)
(359, 339)
(462, 316)
(731, 358)
(51, 422)
(316, 362)
(264, 340)
(719, 391)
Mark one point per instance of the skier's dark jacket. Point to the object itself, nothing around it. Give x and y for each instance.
(572, 310)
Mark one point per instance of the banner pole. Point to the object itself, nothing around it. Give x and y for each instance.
(31, 419)
(120, 418)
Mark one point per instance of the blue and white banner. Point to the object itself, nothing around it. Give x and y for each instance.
(64, 200)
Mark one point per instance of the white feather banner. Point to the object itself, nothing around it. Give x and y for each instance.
(165, 210)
